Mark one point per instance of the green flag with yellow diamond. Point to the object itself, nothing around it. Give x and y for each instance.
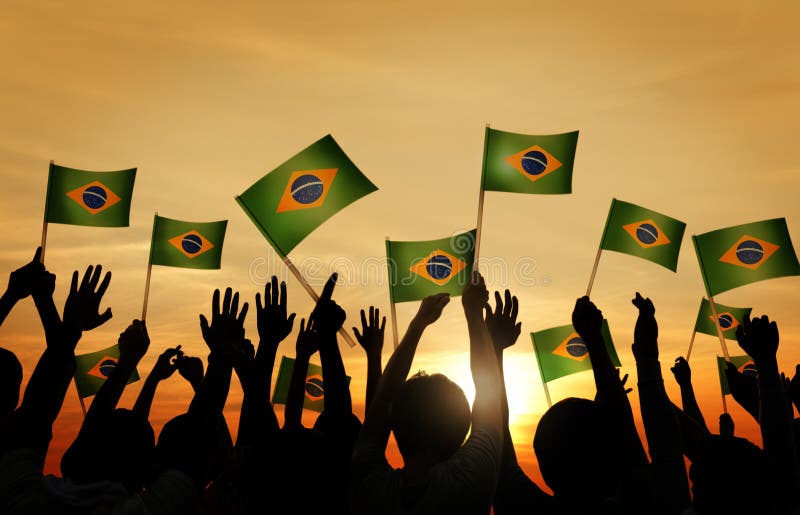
(744, 364)
(560, 351)
(78, 197)
(729, 319)
(522, 163)
(187, 244)
(93, 369)
(314, 387)
(421, 268)
(744, 254)
(640, 232)
(291, 201)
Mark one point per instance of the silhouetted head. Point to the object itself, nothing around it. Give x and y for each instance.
(195, 446)
(731, 476)
(430, 415)
(10, 381)
(576, 453)
(119, 448)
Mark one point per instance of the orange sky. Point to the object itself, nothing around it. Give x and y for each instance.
(686, 108)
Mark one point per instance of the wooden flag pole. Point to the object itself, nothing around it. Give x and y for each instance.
(600, 249)
(719, 329)
(149, 269)
(46, 211)
(83, 406)
(392, 308)
(481, 195)
(724, 404)
(594, 271)
(691, 343)
(307, 287)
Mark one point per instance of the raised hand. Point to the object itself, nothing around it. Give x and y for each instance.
(274, 325)
(307, 339)
(227, 323)
(431, 308)
(328, 316)
(502, 323)
(191, 369)
(21, 281)
(587, 319)
(475, 296)
(758, 338)
(645, 334)
(682, 371)
(167, 363)
(82, 309)
(133, 343)
(794, 387)
(371, 336)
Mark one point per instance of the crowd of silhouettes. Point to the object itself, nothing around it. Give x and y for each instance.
(456, 460)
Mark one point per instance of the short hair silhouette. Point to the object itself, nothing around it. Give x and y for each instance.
(731, 476)
(574, 446)
(430, 414)
(119, 448)
(10, 381)
(193, 445)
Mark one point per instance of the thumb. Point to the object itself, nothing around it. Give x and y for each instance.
(105, 317)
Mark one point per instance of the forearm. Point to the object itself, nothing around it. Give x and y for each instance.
(606, 379)
(7, 303)
(294, 400)
(486, 410)
(213, 392)
(55, 334)
(373, 377)
(663, 436)
(337, 393)
(145, 400)
(690, 406)
(257, 417)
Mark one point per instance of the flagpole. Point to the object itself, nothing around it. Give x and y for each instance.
(724, 404)
(149, 269)
(307, 287)
(691, 343)
(83, 406)
(719, 329)
(46, 211)
(481, 195)
(600, 249)
(392, 308)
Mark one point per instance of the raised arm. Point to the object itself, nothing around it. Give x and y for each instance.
(588, 322)
(274, 325)
(19, 284)
(660, 422)
(371, 340)
(224, 336)
(744, 389)
(166, 365)
(683, 376)
(759, 339)
(376, 423)
(307, 345)
(328, 318)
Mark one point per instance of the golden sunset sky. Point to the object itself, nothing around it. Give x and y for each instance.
(687, 108)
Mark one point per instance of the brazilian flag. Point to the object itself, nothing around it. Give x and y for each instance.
(640, 232)
(521, 163)
(744, 254)
(93, 369)
(744, 364)
(187, 244)
(560, 351)
(418, 269)
(314, 389)
(729, 319)
(291, 201)
(78, 197)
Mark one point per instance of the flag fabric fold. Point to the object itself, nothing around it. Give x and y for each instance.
(93, 369)
(640, 232)
(560, 351)
(744, 364)
(291, 201)
(187, 244)
(735, 256)
(522, 163)
(418, 269)
(729, 319)
(80, 197)
(314, 387)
